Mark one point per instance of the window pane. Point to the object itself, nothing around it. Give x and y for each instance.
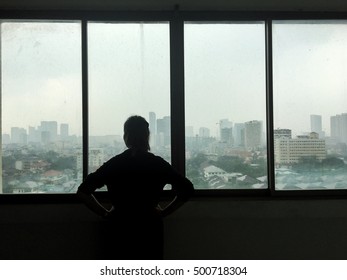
(225, 105)
(129, 74)
(310, 114)
(41, 106)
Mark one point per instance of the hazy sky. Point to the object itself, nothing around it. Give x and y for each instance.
(309, 73)
(225, 77)
(41, 74)
(129, 73)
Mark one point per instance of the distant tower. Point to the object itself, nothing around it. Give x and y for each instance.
(18, 135)
(64, 131)
(49, 130)
(282, 133)
(226, 131)
(152, 129)
(33, 135)
(239, 134)
(334, 127)
(253, 134)
(163, 131)
(316, 124)
(204, 132)
(338, 127)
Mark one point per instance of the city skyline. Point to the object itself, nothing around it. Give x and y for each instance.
(315, 124)
(235, 159)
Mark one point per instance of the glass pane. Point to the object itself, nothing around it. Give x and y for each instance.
(310, 114)
(129, 74)
(225, 105)
(40, 106)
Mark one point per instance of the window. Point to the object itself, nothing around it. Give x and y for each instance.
(41, 106)
(226, 64)
(310, 115)
(129, 74)
(225, 105)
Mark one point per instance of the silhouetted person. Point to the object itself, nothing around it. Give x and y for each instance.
(135, 180)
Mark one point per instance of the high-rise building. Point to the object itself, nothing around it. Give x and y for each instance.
(49, 130)
(204, 132)
(338, 127)
(33, 135)
(253, 134)
(289, 151)
(45, 137)
(226, 131)
(96, 158)
(334, 127)
(164, 131)
(79, 165)
(239, 134)
(282, 133)
(152, 129)
(316, 125)
(18, 135)
(64, 131)
(6, 139)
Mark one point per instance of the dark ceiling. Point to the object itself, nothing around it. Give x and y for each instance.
(257, 5)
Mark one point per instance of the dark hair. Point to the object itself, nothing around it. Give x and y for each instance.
(136, 133)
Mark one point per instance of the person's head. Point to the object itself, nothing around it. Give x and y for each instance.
(136, 133)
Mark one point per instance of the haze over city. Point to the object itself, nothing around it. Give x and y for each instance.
(129, 74)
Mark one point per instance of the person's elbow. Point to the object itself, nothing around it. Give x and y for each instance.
(187, 192)
(82, 195)
(190, 189)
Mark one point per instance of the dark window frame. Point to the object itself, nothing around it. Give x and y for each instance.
(176, 21)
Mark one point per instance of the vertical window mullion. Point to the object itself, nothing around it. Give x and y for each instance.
(269, 106)
(177, 93)
(85, 122)
(1, 190)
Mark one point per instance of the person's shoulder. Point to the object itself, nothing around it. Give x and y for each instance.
(156, 157)
(160, 160)
(125, 153)
(116, 158)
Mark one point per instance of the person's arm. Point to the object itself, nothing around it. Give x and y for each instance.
(171, 207)
(86, 191)
(183, 190)
(92, 203)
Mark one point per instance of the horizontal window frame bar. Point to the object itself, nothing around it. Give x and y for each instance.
(259, 194)
(168, 15)
(86, 15)
(260, 15)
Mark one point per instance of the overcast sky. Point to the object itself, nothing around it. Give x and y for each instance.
(310, 70)
(129, 74)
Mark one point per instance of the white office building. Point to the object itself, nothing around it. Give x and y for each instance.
(289, 151)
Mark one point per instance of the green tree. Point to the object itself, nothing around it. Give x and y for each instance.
(196, 161)
(332, 163)
(51, 156)
(231, 164)
(8, 162)
(64, 163)
(309, 163)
